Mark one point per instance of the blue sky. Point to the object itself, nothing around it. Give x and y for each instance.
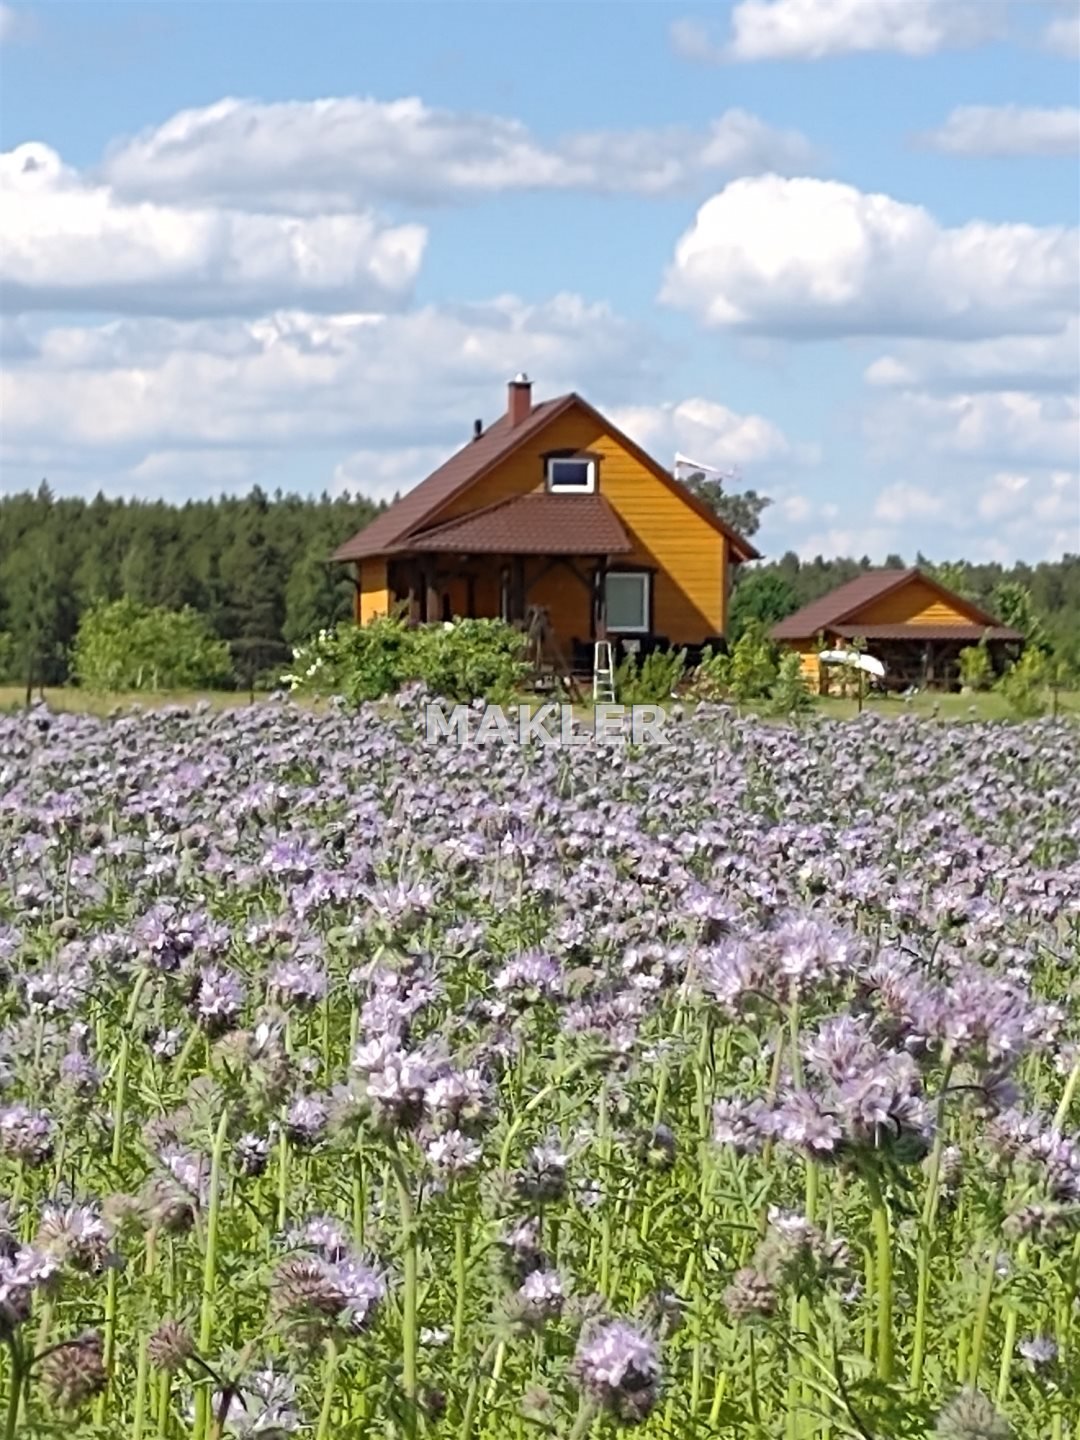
(830, 245)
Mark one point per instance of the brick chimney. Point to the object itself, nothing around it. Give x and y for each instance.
(519, 399)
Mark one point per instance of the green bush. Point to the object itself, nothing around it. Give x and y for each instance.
(976, 667)
(469, 659)
(653, 679)
(749, 671)
(789, 694)
(753, 668)
(122, 645)
(712, 678)
(1024, 684)
(466, 660)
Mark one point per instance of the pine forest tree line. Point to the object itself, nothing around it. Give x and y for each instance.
(257, 568)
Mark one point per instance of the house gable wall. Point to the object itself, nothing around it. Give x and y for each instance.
(688, 555)
(913, 603)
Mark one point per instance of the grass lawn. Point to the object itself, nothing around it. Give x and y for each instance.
(83, 702)
(945, 707)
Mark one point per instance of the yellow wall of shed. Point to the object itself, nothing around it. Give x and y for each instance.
(689, 556)
(914, 603)
(373, 593)
(809, 664)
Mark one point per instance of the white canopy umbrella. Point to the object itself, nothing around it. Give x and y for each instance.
(854, 660)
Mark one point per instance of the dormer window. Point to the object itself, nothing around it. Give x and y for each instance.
(571, 474)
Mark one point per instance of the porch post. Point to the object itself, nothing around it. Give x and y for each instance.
(431, 592)
(414, 592)
(517, 588)
(599, 615)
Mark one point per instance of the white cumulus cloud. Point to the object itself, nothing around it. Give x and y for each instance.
(1008, 130)
(903, 501)
(1000, 426)
(338, 153)
(817, 29)
(805, 258)
(69, 244)
(1010, 362)
(709, 432)
(1062, 36)
(134, 388)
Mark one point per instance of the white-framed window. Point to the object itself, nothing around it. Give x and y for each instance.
(626, 600)
(571, 474)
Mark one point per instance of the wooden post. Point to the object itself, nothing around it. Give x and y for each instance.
(432, 609)
(599, 615)
(517, 588)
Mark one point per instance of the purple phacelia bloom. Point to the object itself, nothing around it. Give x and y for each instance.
(618, 1368)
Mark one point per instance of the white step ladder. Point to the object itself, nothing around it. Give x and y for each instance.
(603, 674)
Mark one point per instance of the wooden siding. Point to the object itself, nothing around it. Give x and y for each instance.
(690, 557)
(569, 602)
(914, 603)
(373, 594)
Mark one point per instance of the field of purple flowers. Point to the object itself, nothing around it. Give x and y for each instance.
(354, 1089)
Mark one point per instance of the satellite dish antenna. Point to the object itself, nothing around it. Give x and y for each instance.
(683, 462)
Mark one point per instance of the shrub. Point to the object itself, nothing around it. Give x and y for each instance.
(789, 694)
(1024, 684)
(654, 678)
(976, 667)
(122, 645)
(469, 659)
(753, 666)
(712, 679)
(466, 660)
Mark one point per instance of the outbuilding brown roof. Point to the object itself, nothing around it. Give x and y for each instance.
(845, 602)
(407, 516)
(914, 631)
(538, 524)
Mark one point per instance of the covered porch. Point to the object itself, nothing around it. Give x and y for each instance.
(927, 657)
(567, 555)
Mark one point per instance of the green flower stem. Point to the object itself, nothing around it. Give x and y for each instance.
(142, 1382)
(329, 1384)
(883, 1275)
(584, 1422)
(116, 1151)
(204, 1419)
(1012, 1317)
(926, 1233)
(16, 1380)
(283, 1179)
(410, 1333)
(461, 1243)
(982, 1317)
(468, 1417)
(603, 1135)
(1067, 1097)
(101, 1405)
(514, 1129)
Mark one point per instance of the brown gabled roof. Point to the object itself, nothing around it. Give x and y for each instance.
(499, 440)
(389, 531)
(846, 601)
(538, 524)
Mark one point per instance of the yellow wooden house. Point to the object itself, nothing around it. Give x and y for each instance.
(905, 618)
(553, 506)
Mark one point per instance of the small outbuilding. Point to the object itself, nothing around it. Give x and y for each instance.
(906, 619)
